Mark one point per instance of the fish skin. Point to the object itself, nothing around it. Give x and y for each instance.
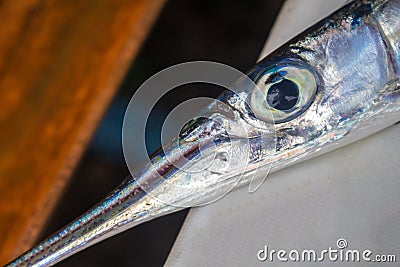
(354, 54)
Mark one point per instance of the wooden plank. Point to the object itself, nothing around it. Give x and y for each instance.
(60, 64)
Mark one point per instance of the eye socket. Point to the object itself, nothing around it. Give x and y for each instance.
(284, 92)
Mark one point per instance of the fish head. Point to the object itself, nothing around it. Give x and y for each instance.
(329, 86)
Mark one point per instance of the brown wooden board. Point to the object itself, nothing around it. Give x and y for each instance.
(60, 64)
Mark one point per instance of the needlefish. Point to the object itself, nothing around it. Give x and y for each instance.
(331, 85)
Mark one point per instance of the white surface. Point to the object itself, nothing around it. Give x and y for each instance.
(296, 16)
(351, 193)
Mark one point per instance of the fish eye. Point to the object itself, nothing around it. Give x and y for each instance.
(284, 93)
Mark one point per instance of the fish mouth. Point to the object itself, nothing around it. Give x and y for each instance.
(177, 176)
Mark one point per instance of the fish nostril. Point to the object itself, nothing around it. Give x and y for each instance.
(223, 156)
(283, 95)
(189, 127)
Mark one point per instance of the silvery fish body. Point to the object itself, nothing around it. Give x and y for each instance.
(333, 84)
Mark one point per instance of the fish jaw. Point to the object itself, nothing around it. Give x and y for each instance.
(198, 167)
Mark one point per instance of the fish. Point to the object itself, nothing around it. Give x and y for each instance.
(331, 85)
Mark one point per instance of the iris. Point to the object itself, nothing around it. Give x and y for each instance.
(284, 91)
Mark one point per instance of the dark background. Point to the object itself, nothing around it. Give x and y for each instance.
(230, 32)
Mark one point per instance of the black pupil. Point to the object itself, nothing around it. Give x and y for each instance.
(283, 95)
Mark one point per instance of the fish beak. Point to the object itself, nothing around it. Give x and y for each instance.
(212, 154)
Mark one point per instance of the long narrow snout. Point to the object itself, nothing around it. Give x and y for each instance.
(202, 164)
